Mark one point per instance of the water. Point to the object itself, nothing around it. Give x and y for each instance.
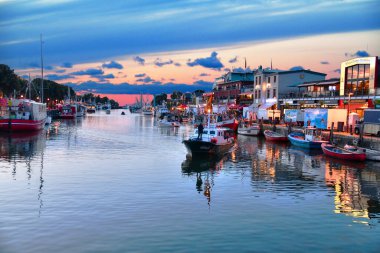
(114, 183)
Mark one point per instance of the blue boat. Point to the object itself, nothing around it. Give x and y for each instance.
(311, 138)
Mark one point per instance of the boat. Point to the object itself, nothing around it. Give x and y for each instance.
(21, 115)
(161, 111)
(342, 153)
(232, 124)
(168, 121)
(371, 154)
(214, 141)
(310, 138)
(252, 130)
(67, 111)
(274, 136)
(148, 111)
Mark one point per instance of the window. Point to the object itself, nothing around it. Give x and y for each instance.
(212, 132)
(268, 79)
(274, 93)
(259, 79)
(259, 94)
(275, 79)
(255, 94)
(268, 93)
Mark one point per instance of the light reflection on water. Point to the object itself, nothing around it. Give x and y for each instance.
(119, 183)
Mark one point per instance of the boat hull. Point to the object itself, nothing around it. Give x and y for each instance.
(232, 124)
(340, 153)
(249, 131)
(295, 140)
(18, 125)
(199, 147)
(272, 136)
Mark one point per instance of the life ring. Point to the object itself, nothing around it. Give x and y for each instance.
(355, 142)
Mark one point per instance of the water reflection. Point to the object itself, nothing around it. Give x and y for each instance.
(204, 169)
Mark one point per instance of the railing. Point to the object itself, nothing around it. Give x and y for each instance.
(324, 95)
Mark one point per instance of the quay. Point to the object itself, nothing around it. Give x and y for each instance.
(340, 138)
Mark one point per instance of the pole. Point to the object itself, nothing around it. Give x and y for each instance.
(42, 72)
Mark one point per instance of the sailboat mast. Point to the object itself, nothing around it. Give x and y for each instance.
(29, 88)
(42, 72)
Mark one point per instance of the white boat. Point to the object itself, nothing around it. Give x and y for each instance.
(148, 111)
(161, 111)
(371, 154)
(214, 141)
(252, 130)
(168, 121)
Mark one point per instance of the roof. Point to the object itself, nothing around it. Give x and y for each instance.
(320, 83)
(301, 70)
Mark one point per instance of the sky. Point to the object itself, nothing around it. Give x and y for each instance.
(155, 46)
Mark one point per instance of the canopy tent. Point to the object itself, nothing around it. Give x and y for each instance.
(267, 105)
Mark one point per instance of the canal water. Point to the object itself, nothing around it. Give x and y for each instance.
(119, 183)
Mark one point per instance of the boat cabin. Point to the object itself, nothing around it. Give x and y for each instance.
(313, 134)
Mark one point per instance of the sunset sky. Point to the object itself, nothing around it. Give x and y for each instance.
(154, 46)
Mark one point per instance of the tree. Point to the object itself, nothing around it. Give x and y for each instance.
(10, 82)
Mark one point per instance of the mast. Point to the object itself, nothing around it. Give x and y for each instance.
(42, 72)
(29, 88)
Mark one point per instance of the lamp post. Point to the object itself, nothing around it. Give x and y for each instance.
(348, 108)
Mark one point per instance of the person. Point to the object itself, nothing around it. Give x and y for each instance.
(200, 130)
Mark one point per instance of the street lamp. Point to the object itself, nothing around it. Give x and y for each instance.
(348, 113)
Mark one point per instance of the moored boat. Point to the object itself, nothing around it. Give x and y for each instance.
(274, 136)
(232, 124)
(21, 115)
(342, 153)
(168, 121)
(252, 130)
(310, 138)
(371, 154)
(213, 141)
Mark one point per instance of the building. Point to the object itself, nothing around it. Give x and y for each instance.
(270, 85)
(357, 89)
(228, 87)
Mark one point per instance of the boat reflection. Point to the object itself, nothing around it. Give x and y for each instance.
(203, 168)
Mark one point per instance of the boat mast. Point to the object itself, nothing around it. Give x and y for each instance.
(29, 88)
(42, 72)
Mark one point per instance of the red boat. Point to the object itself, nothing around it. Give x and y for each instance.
(21, 115)
(273, 136)
(341, 153)
(232, 124)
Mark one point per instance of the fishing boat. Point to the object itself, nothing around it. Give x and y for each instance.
(252, 130)
(371, 154)
(21, 115)
(213, 141)
(168, 121)
(147, 111)
(67, 111)
(232, 124)
(310, 138)
(342, 153)
(274, 136)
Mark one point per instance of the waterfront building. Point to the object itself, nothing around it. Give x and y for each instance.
(227, 88)
(358, 88)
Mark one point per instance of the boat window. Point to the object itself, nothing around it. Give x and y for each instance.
(212, 132)
(205, 132)
(196, 131)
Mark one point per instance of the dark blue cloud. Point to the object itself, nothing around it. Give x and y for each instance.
(337, 71)
(140, 75)
(177, 64)
(211, 62)
(359, 53)
(296, 68)
(145, 80)
(34, 65)
(112, 65)
(54, 77)
(67, 65)
(90, 72)
(49, 67)
(325, 62)
(159, 63)
(60, 71)
(233, 60)
(109, 76)
(139, 60)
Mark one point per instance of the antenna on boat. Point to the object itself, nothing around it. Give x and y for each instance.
(42, 72)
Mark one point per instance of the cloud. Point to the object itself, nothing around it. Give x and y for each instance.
(226, 69)
(34, 65)
(139, 60)
(159, 63)
(325, 62)
(211, 62)
(67, 65)
(337, 71)
(177, 64)
(60, 71)
(140, 75)
(54, 77)
(90, 72)
(109, 76)
(359, 53)
(296, 68)
(145, 80)
(233, 60)
(49, 67)
(112, 65)
(204, 74)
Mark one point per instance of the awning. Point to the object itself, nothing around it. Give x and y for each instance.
(267, 105)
